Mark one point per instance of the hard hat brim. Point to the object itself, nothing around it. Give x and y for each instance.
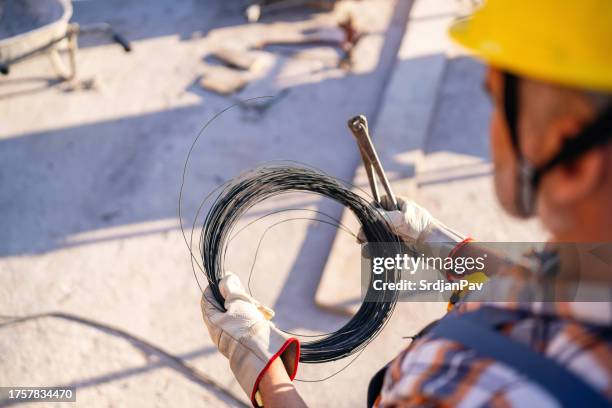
(529, 59)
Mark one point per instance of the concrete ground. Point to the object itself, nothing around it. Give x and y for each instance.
(90, 182)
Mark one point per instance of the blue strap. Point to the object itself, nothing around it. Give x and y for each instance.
(476, 331)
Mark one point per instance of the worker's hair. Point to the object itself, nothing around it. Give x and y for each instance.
(599, 100)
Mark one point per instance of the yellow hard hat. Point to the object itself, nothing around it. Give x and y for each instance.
(567, 42)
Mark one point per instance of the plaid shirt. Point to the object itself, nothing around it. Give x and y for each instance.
(442, 373)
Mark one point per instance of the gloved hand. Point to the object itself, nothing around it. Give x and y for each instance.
(418, 228)
(245, 335)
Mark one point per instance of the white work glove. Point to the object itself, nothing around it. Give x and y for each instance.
(418, 228)
(246, 336)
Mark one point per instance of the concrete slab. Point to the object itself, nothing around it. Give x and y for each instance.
(90, 183)
(432, 136)
(399, 133)
(89, 196)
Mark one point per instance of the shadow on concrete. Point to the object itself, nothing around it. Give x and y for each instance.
(462, 105)
(186, 19)
(183, 18)
(27, 85)
(165, 359)
(110, 180)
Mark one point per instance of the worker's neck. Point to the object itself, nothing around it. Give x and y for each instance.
(591, 225)
(585, 234)
(589, 222)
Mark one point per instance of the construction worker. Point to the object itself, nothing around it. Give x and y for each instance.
(550, 81)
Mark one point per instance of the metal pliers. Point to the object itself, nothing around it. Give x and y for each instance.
(359, 127)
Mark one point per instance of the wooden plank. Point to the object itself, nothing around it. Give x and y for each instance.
(223, 80)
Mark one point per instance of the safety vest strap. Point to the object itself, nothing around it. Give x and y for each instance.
(477, 331)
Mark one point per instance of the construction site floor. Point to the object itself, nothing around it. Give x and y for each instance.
(91, 172)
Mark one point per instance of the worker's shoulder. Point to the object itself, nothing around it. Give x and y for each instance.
(434, 369)
(440, 371)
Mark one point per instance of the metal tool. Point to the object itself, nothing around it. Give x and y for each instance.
(359, 127)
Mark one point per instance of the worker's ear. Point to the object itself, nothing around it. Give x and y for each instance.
(569, 183)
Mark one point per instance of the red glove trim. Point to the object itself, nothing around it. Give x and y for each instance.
(274, 357)
(460, 245)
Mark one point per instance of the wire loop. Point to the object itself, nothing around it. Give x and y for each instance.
(242, 193)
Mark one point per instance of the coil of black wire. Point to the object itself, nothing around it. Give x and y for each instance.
(242, 193)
